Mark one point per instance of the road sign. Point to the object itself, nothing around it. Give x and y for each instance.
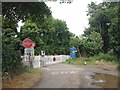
(33, 45)
(27, 43)
(73, 52)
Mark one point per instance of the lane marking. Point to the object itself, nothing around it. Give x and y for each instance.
(65, 72)
(45, 68)
(62, 72)
(72, 72)
(54, 73)
(65, 69)
(48, 69)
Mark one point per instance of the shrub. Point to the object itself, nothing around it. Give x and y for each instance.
(11, 61)
(106, 57)
(27, 69)
(87, 59)
(118, 67)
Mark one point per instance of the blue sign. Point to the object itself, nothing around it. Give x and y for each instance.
(73, 52)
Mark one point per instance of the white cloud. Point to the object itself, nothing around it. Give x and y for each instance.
(74, 14)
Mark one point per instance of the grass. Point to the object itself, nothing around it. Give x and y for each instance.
(101, 59)
(25, 80)
(118, 67)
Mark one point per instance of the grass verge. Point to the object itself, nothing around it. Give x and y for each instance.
(25, 80)
(87, 61)
(118, 67)
(101, 59)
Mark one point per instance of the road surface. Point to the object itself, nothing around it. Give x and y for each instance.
(65, 76)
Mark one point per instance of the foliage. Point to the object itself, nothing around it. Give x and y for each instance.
(11, 64)
(105, 57)
(118, 67)
(74, 42)
(24, 80)
(79, 61)
(92, 44)
(48, 33)
(11, 58)
(104, 20)
(15, 11)
(27, 69)
(30, 30)
(94, 60)
(87, 46)
(99, 21)
(12, 12)
(53, 38)
(61, 37)
(117, 50)
(52, 35)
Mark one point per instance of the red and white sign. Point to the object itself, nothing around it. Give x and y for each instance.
(33, 45)
(27, 43)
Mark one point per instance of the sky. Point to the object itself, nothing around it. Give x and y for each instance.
(74, 14)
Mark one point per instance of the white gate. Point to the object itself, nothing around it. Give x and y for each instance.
(49, 59)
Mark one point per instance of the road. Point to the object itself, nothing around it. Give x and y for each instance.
(65, 76)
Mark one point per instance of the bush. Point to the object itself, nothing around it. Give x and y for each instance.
(106, 57)
(67, 62)
(87, 59)
(11, 61)
(118, 67)
(27, 69)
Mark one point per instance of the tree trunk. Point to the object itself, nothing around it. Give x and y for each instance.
(78, 52)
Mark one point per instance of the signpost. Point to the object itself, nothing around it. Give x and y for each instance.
(43, 57)
(27, 43)
(29, 49)
(73, 52)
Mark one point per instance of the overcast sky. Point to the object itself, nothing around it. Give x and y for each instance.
(74, 14)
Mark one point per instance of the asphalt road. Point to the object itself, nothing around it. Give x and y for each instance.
(65, 76)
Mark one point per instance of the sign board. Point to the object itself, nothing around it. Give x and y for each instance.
(73, 52)
(43, 53)
(33, 45)
(28, 50)
(27, 43)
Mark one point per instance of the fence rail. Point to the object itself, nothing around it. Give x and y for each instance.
(40, 61)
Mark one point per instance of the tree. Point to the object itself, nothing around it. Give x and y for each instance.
(92, 44)
(114, 31)
(61, 37)
(12, 12)
(118, 31)
(16, 11)
(95, 43)
(75, 42)
(104, 20)
(11, 58)
(99, 21)
(52, 36)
